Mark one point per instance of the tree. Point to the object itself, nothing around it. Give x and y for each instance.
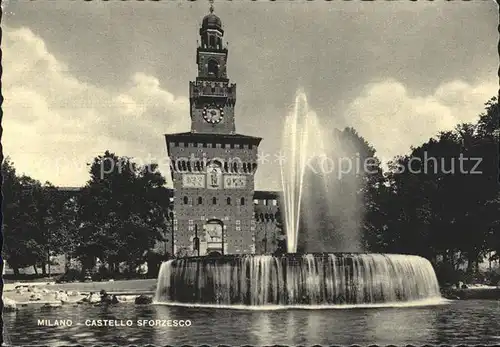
(340, 209)
(488, 129)
(442, 198)
(123, 209)
(30, 220)
(17, 250)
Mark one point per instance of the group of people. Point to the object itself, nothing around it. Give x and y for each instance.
(37, 294)
(101, 298)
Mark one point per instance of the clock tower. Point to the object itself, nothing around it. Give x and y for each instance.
(212, 166)
(212, 96)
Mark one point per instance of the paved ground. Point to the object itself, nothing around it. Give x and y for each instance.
(146, 285)
(46, 292)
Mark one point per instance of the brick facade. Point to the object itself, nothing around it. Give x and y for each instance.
(213, 167)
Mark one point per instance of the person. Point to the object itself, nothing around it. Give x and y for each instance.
(143, 270)
(62, 296)
(114, 299)
(105, 299)
(35, 297)
(143, 299)
(91, 298)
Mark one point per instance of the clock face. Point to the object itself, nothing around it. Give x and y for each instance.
(213, 114)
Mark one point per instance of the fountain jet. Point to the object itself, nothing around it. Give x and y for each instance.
(300, 143)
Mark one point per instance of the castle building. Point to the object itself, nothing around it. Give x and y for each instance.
(216, 209)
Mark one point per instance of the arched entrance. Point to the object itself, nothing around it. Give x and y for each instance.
(214, 254)
(214, 236)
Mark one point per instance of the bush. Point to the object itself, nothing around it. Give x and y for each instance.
(71, 275)
(448, 275)
(492, 277)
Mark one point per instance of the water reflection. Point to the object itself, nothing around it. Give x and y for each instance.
(469, 323)
(411, 324)
(474, 322)
(262, 330)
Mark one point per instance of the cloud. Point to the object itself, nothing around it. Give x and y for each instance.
(392, 120)
(54, 123)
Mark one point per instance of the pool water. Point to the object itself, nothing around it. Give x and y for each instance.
(456, 322)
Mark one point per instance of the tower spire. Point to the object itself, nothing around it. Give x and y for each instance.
(211, 6)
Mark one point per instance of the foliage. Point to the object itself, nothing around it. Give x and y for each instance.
(117, 217)
(443, 198)
(340, 210)
(32, 220)
(122, 211)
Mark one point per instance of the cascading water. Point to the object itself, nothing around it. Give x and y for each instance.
(292, 279)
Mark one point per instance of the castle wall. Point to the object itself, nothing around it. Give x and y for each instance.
(197, 203)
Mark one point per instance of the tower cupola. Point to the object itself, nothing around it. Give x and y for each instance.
(211, 31)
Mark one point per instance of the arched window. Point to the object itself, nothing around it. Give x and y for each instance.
(200, 200)
(212, 41)
(213, 68)
(228, 201)
(205, 40)
(242, 201)
(214, 200)
(186, 200)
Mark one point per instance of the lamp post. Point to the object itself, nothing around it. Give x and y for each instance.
(196, 240)
(265, 240)
(222, 240)
(48, 261)
(165, 242)
(171, 215)
(49, 240)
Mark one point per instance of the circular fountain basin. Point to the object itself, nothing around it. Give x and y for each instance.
(297, 279)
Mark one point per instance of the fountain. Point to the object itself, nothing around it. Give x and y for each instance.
(319, 277)
(293, 279)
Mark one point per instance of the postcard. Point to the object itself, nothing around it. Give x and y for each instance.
(250, 173)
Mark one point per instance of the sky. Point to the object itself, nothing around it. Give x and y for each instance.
(80, 78)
